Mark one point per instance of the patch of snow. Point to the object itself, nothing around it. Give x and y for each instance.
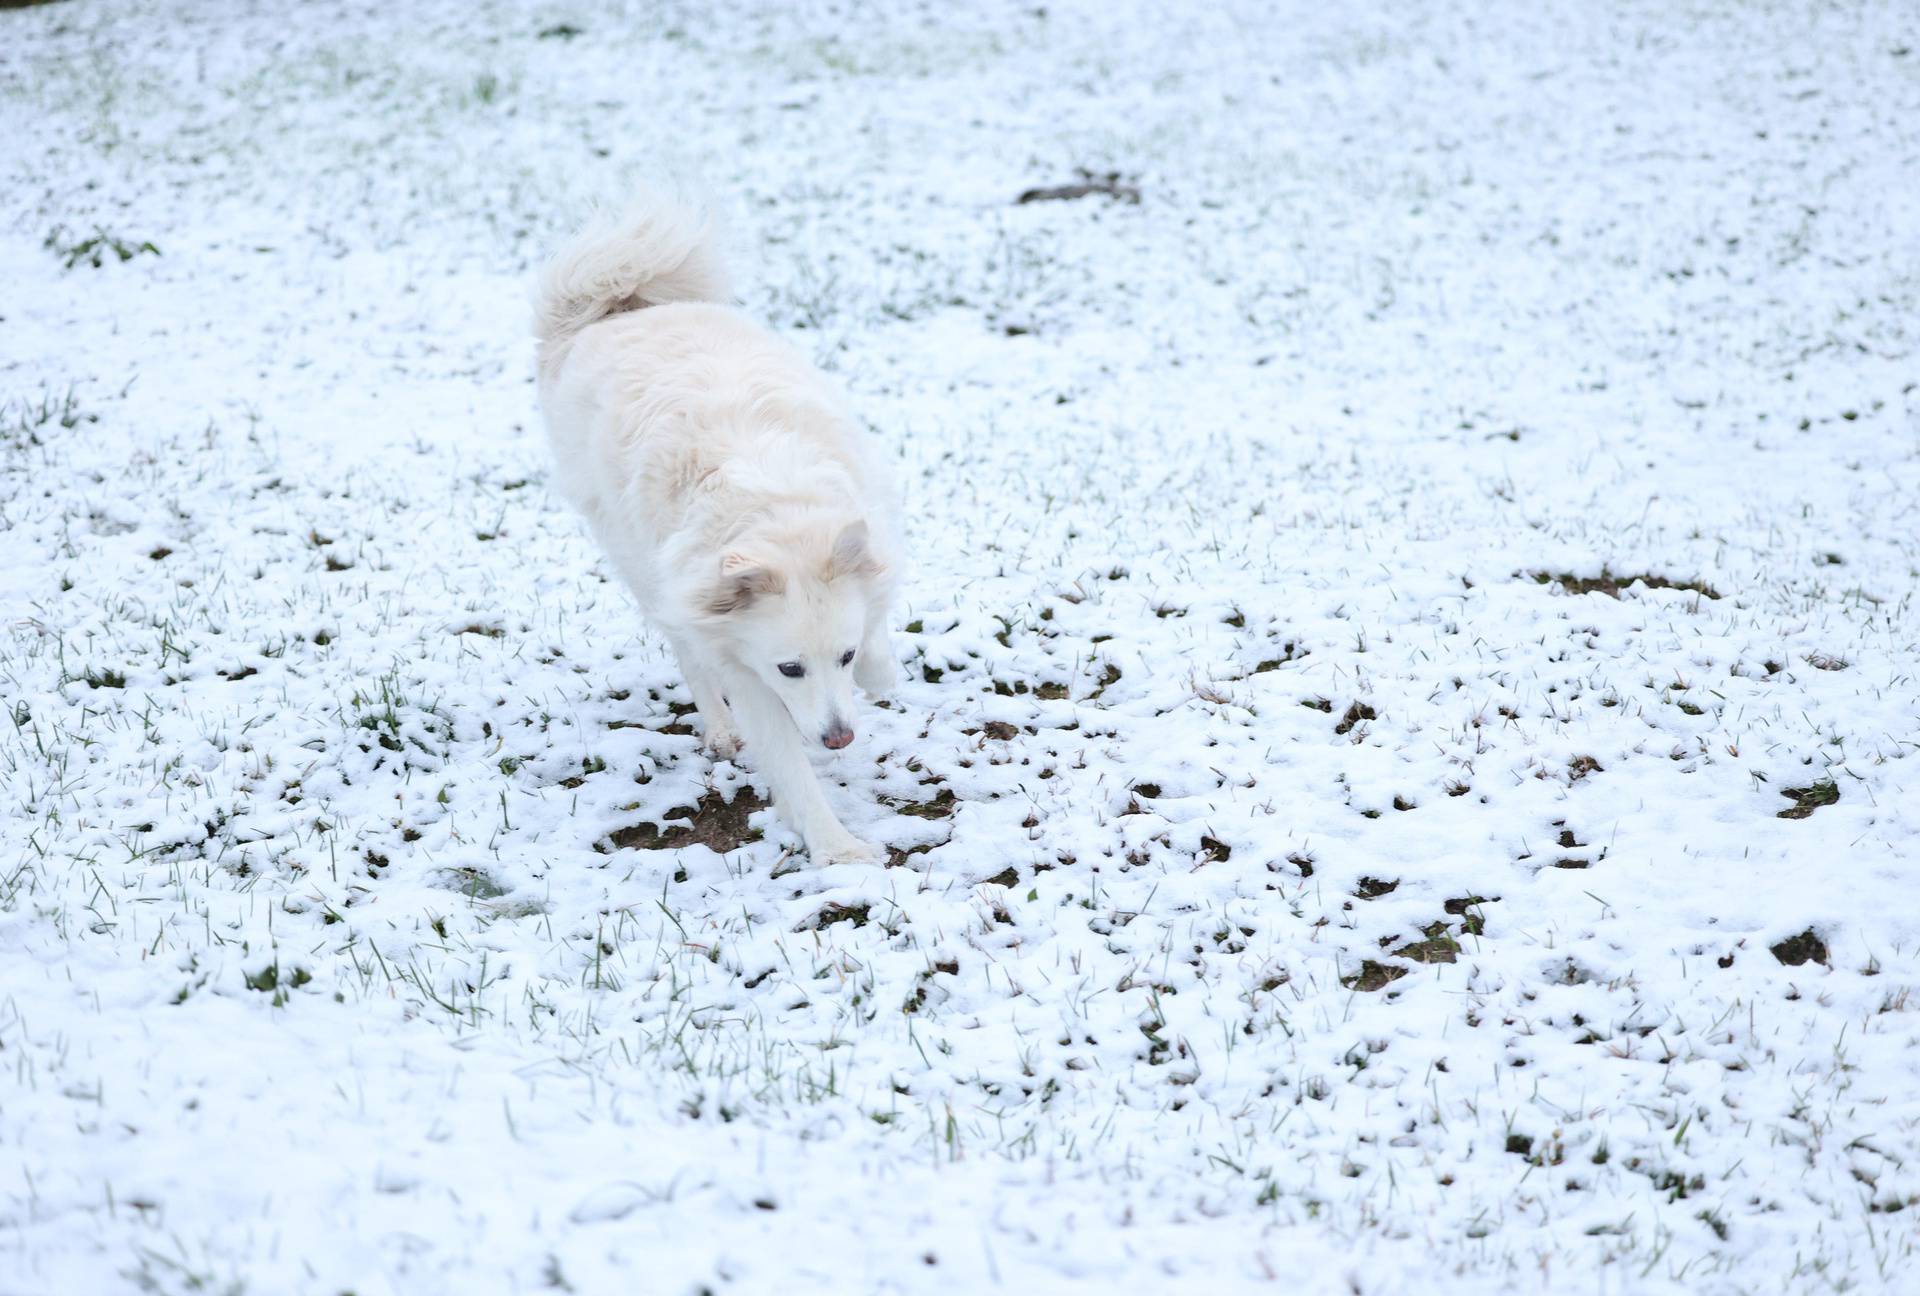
(1375, 598)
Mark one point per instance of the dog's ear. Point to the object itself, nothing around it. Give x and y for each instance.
(852, 553)
(742, 580)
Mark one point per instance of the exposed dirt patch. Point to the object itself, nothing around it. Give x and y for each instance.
(1807, 947)
(1467, 909)
(1090, 184)
(1289, 651)
(941, 807)
(1109, 676)
(1437, 946)
(1611, 583)
(830, 914)
(1356, 713)
(716, 823)
(897, 857)
(1373, 976)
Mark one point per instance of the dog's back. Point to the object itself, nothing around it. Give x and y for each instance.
(663, 402)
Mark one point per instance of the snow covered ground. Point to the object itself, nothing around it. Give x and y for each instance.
(1409, 775)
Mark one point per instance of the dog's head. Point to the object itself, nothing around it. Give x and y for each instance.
(791, 602)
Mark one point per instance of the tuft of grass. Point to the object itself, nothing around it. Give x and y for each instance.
(23, 421)
(95, 248)
(1808, 799)
(473, 883)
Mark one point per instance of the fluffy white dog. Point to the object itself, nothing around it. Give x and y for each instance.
(753, 520)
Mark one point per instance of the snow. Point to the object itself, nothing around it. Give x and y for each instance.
(1309, 873)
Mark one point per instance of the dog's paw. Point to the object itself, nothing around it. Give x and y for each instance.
(721, 744)
(846, 850)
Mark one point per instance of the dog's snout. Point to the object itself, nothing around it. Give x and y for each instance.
(838, 735)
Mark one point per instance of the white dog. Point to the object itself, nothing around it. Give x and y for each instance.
(721, 472)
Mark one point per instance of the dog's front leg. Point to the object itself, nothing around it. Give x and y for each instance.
(720, 739)
(876, 670)
(778, 751)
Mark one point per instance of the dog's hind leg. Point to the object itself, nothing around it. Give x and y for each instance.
(780, 753)
(719, 738)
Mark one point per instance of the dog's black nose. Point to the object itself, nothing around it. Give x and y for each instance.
(837, 736)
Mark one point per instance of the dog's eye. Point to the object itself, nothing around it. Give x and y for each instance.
(846, 658)
(792, 670)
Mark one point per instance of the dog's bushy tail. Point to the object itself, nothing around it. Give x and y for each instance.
(657, 250)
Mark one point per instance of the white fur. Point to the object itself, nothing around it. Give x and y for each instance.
(753, 520)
